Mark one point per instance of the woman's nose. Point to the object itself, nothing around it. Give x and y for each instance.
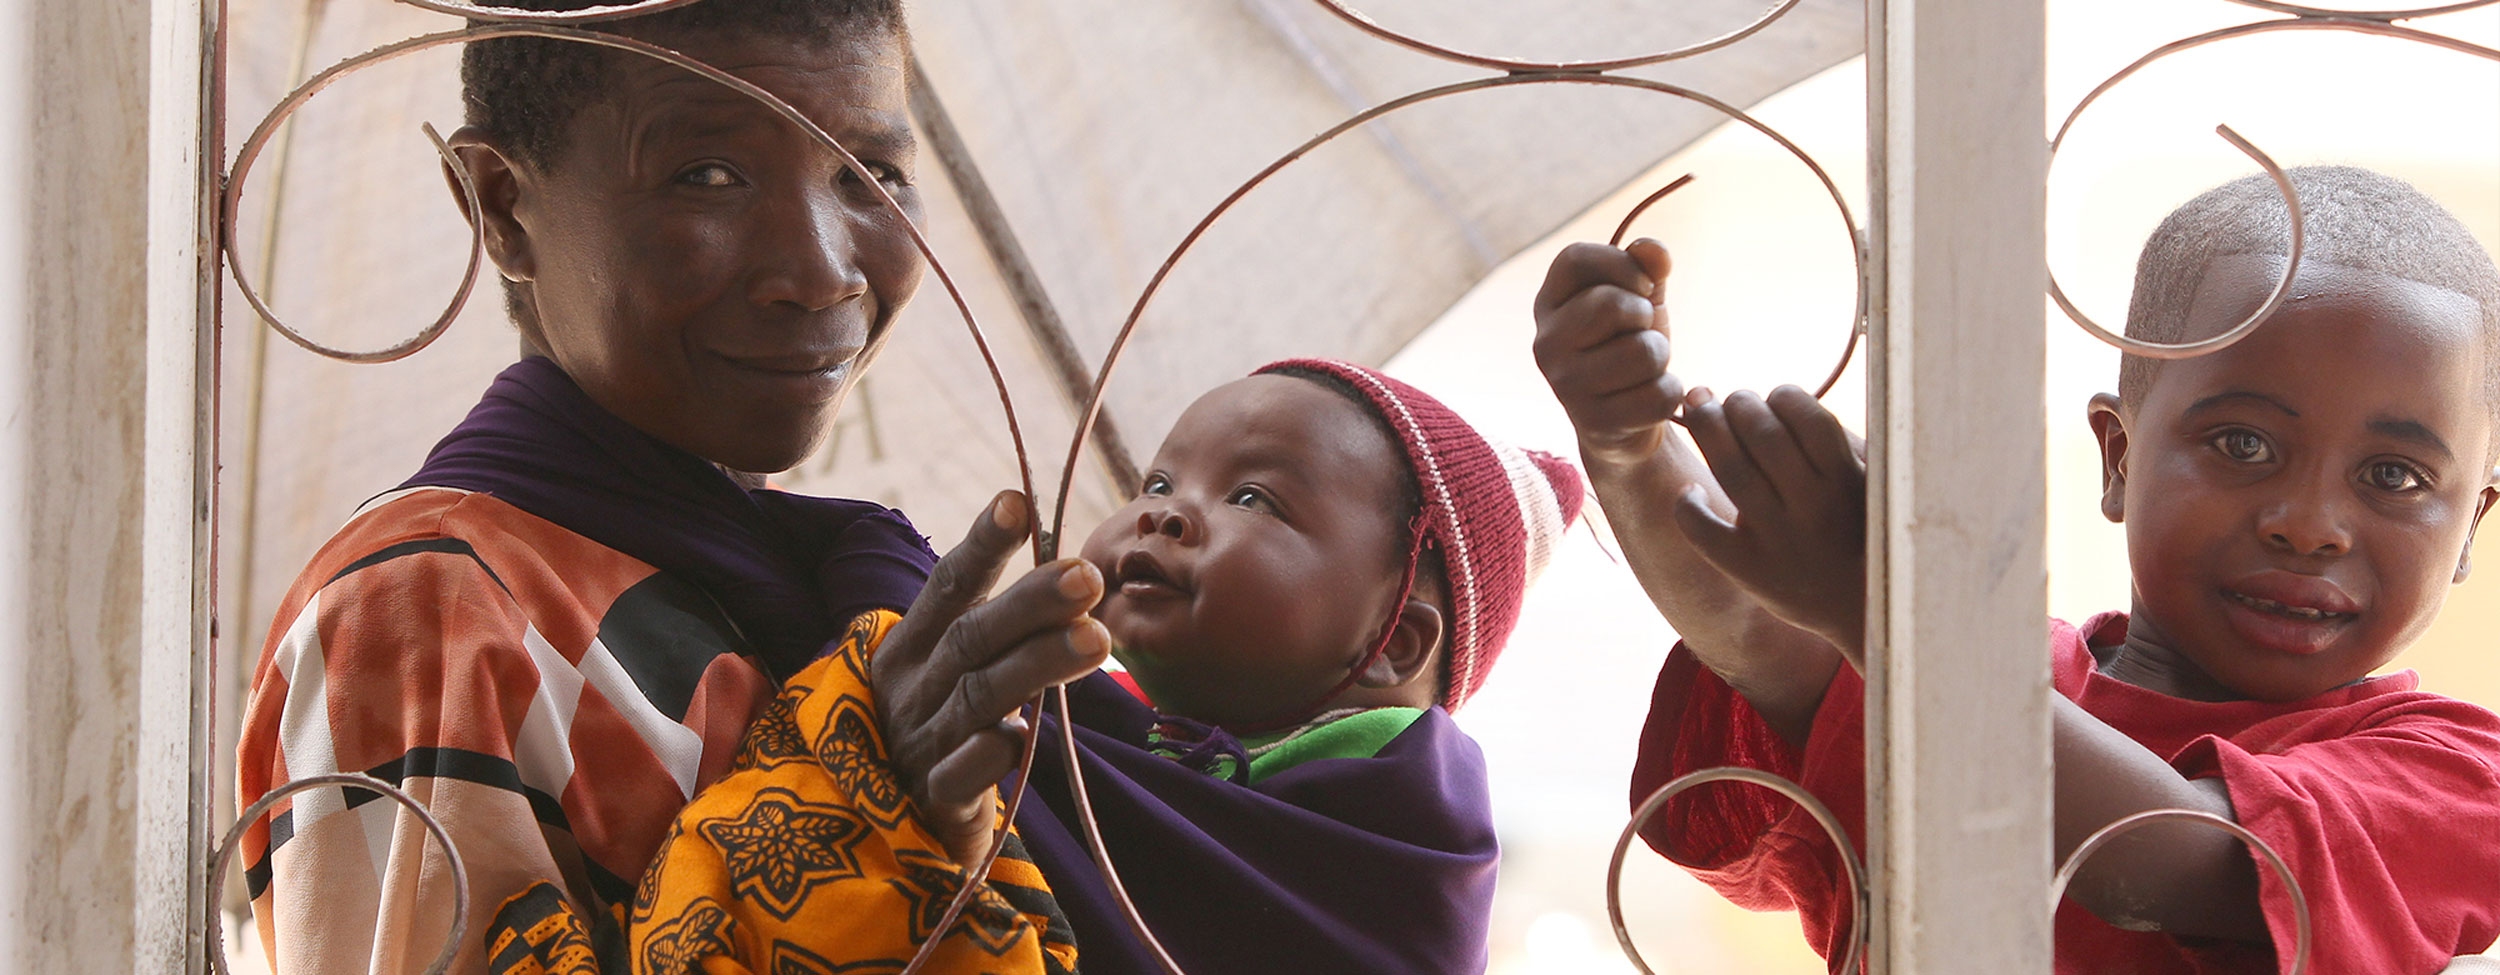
(806, 253)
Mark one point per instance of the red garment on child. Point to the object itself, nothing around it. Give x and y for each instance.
(2384, 800)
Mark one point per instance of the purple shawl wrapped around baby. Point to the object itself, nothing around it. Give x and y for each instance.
(1353, 865)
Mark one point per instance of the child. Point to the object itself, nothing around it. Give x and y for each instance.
(2296, 506)
(1321, 563)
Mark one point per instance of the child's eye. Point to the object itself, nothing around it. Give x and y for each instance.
(2388, 475)
(709, 174)
(1156, 484)
(2243, 445)
(1251, 498)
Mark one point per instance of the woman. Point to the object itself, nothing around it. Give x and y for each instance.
(554, 633)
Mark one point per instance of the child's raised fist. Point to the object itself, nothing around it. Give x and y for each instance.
(1601, 340)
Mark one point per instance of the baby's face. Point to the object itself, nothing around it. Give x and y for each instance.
(1262, 554)
(704, 270)
(2298, 504)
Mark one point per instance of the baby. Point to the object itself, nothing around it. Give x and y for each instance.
(1321, 564)
(2296, 507)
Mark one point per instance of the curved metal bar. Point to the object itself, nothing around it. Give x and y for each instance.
(406, 347)
(1128, 328)
(1093, 829)
(1847, 352)
(2382, 16)
(1730, 773)
(2232, 335)
(2101, 837)
(1364, 23)
(2340, 22)
(1643, 207)
(224, 858)
(523, 15)
(979, 874)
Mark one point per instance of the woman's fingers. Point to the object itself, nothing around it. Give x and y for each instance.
(981, 696)
(961, 580)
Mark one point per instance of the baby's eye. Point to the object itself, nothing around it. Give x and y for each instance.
(708, 174)
(1156, 484)
(2388, 475)
(1251, 498)
(2243, 445)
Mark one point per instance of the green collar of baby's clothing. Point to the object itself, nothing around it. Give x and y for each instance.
(1361, 734)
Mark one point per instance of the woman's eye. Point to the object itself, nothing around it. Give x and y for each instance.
(886, 173)
(1251, 498)
(2243, 445)
(2391, 476)
(708, 174)
(1156, 484)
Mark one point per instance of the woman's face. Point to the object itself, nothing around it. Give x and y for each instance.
(703, 269)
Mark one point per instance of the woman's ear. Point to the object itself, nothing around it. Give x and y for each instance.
(2482, 506)
(501, 184)
(1414, 645)
(2109, 426)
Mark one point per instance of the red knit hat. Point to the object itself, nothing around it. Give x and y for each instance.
(1495, 512)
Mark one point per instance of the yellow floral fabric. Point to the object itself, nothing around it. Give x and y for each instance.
(807, 856)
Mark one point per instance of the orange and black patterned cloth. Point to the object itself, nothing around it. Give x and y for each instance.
(805, 858)
(808, 856)
(551, 700)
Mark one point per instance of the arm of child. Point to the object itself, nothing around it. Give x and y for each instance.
(1797, 545)
(1602, 345)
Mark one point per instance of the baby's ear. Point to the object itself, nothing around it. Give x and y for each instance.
(2109, 426)
(1413, 646)
(500, 185)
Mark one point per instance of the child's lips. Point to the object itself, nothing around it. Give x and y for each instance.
(2288, 613)
(1140, 574)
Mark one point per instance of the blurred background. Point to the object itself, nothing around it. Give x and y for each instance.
(1416, 243)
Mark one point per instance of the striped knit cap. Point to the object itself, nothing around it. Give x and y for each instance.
(1495, 513)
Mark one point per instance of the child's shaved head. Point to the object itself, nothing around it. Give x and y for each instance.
(2351, 217)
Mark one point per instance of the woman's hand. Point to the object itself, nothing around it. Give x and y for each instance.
(950, 676)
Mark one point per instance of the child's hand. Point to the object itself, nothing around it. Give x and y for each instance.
(1601, 340)
(1798, 542)
(953, 671)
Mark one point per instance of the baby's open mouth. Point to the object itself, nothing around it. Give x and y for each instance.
(2286, 610)
(1137, 573)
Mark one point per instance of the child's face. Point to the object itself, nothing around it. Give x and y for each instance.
(2298, 504)
(1262, 556)
(702, 269)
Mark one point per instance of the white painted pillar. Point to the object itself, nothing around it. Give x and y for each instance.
(1958, 724)
(103, 490)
